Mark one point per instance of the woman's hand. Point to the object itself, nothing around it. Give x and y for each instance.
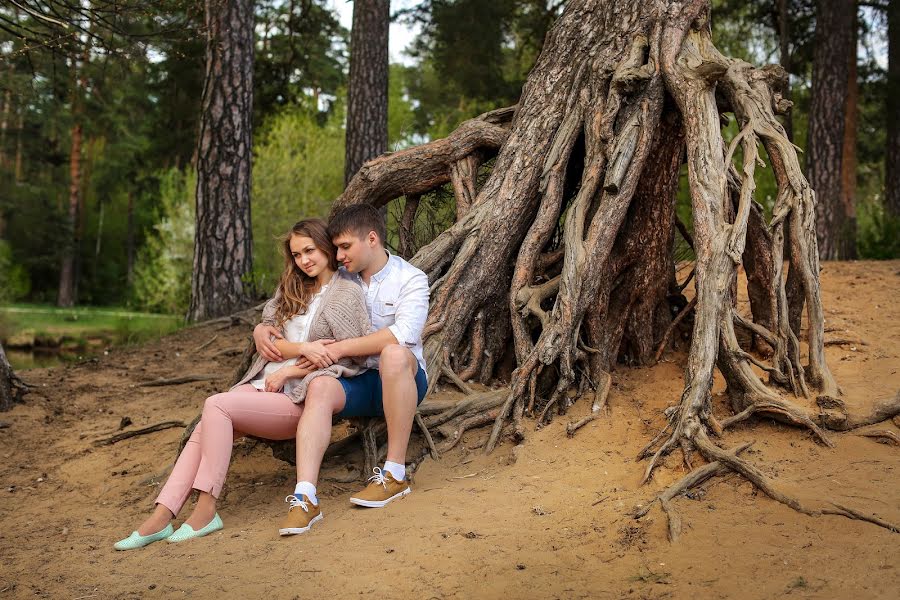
(275, 382)
(317, 353)
(262, 337)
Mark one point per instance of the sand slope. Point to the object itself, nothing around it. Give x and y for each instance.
(553, 524)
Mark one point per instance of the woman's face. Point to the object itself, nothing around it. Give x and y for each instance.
(307, 255)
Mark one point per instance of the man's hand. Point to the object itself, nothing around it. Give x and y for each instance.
(317, 353)
(262, 337)
(333, 349)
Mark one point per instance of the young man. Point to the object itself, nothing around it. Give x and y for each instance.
(395, 382)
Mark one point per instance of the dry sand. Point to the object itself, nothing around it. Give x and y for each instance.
(551, 524)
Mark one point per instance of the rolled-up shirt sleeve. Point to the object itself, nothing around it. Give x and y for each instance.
(412, 311)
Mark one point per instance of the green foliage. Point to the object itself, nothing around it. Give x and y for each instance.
(297, 172)
(162, 270)
(473, 56)
(301, 54)
(878, 233)
(401, 115)
(14, 280)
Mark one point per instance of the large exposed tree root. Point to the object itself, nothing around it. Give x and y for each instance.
(560, 262)
(565, 253)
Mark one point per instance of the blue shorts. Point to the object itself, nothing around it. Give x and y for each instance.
(363, 393)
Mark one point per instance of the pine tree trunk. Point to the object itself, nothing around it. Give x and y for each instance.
(827, 124)
(66, 294)
(4, 123)
(223, 241)
(21, 125)
(848, 159)
(367, 95)
(892, 153)
(784, 54)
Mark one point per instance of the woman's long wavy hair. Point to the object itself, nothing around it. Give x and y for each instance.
(298, 288)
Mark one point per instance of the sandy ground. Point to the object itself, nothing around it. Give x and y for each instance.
(551, 524)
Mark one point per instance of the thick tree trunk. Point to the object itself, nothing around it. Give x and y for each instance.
(783, 20)
(367, 94)
(833, 49)
(66, 294)
(892, 153)
(223, 241)
(565, 254)
(848, 159)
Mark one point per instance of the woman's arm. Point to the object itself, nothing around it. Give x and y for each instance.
(313, 351)
(289, 349)
(275, 382)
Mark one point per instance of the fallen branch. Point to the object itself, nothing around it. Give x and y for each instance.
(178, 380)
(136, 432)
(571, 428)
(887, 436)
(227, 352)
(845, 342)
(204, 345)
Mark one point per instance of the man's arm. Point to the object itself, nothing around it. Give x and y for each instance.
(368, 345)
(313, 351)
(412, 311)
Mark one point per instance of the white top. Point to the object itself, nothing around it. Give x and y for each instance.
(296, 329)
(396, 298)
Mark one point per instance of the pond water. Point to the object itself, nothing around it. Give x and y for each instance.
(22, 360)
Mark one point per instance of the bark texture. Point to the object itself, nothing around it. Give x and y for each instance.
(834, 48)
(367, 94)
(66, 293)
(223, 241)
(848, 158)
(892, 153)
(561, 265)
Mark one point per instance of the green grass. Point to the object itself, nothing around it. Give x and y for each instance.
(76, 325)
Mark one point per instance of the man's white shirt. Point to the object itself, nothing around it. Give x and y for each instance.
(396, 298)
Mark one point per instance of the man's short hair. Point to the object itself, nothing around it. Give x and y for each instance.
(358, 219)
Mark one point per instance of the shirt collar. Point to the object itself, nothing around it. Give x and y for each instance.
(380, 275)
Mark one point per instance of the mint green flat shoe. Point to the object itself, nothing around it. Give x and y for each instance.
(136, 540)
(186, 532)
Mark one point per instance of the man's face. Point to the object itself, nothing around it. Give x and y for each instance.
(356, 253)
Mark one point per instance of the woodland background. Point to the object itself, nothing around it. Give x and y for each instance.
(119, 99)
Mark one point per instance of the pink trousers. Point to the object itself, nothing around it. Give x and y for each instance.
(203, 463)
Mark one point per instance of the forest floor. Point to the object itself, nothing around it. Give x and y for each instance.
(549, 520)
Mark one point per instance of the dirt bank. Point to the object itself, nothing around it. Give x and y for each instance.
(552, 523)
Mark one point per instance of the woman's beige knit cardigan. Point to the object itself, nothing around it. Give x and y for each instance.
(341, 315)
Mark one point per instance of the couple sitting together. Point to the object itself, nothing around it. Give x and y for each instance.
(332, 341)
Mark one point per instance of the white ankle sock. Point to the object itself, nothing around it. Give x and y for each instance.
(395, 469)
(305, 488)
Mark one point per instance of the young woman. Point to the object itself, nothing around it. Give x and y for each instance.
(311, 303)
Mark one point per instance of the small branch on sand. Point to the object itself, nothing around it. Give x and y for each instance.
(885, 436)
(136, 432)
(205, 344)
(571, 428)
